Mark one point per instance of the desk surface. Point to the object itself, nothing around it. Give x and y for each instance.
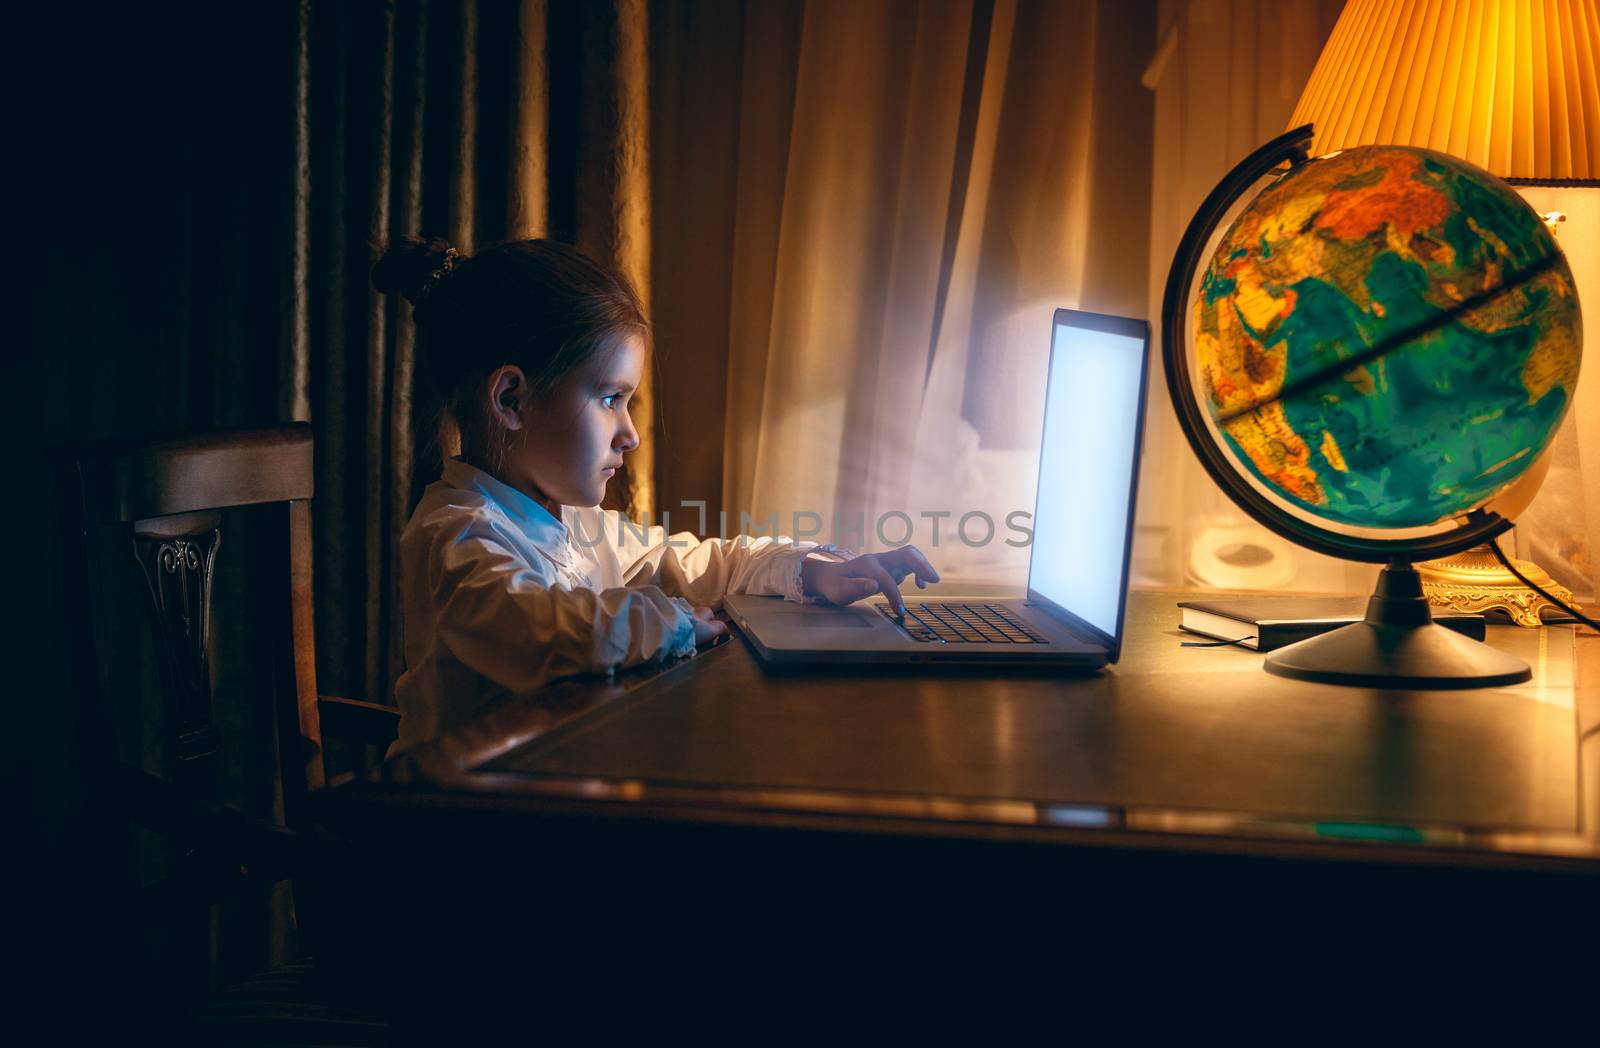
(1195, 748)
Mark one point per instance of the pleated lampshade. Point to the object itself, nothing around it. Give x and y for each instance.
(1510, 85)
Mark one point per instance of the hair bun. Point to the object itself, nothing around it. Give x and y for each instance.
(410, 264)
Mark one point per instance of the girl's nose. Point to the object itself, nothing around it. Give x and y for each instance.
(627, 438)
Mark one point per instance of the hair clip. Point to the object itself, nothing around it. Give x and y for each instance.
(446, 266)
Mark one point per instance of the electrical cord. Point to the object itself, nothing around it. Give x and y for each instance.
(1494, 544)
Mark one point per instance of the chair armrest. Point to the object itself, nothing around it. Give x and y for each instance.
(357, 721)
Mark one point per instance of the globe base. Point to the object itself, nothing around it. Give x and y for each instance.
(1398, 645)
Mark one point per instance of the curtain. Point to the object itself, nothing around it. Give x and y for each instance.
(479, 123)
(922, 185)
(1225, 75)
(915, 188)
(1560, 529)
(209, 191)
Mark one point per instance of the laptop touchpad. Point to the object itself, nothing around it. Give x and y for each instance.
(807, 617)
(819, 622)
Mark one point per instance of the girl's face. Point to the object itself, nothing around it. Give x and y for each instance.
(566, 447)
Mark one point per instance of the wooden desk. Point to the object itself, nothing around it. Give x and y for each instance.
(747, 813)
(1174, 747)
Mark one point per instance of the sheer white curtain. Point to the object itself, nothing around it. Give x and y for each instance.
(953, 173)
(1560, 529)
(919, 186)
(1226, 74)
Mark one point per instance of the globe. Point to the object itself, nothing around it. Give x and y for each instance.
(1387, 337)
(1368, 360)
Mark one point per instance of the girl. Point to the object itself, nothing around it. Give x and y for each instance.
(512, 575)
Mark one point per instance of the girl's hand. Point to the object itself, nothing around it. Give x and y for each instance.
(706, 627)
(845, 582)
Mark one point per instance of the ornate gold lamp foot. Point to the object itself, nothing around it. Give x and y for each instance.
(1476, 582)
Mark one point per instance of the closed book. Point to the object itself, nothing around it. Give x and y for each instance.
(1265, 623)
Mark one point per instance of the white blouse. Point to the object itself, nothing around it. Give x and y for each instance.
(500, 597)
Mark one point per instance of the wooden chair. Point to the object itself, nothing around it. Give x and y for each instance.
(167, 498)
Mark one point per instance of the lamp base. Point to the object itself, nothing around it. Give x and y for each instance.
(1398, 645)
(1476, 582)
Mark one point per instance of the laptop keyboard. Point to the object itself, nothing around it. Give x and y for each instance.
(946, 622)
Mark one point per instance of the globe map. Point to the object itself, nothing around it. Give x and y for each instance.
(1387, 337)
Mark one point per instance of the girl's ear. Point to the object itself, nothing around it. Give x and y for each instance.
(508, 393)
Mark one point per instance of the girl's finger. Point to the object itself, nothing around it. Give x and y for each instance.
(891, 591)
(860, 588)
(921, 565)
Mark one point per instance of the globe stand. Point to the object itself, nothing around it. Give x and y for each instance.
(1398, 645)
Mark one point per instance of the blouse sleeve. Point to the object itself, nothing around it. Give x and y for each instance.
(705, 570)
(498, 619)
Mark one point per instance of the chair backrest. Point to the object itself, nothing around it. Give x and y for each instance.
(165, 495)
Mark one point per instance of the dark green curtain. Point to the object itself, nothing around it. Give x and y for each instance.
(476, 121)
(205, 190)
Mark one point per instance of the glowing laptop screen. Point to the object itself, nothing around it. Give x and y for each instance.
(1086, 465)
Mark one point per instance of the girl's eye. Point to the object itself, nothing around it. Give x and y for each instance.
(610, 400)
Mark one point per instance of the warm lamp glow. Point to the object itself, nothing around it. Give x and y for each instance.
(1510, 85)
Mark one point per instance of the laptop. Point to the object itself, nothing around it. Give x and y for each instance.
(1077, 561)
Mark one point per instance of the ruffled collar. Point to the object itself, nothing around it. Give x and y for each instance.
(542, 528)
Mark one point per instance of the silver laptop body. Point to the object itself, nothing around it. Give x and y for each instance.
(1082, 537)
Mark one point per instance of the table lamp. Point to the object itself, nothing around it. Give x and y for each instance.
(1514, 87)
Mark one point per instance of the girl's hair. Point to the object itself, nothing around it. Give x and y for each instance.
(543, 306)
